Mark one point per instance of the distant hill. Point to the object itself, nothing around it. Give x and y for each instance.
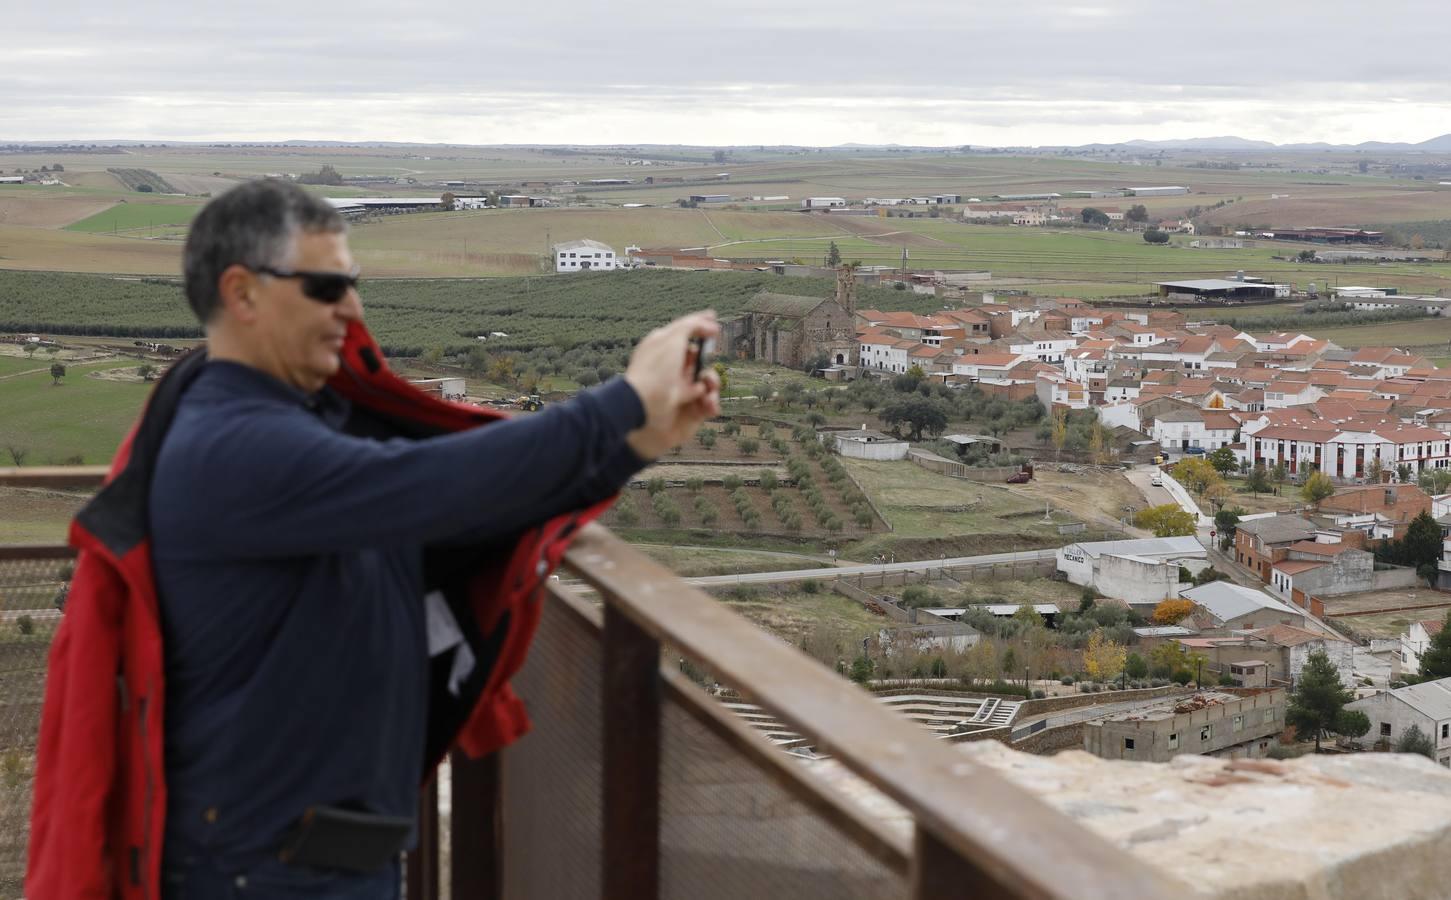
(1440, 144)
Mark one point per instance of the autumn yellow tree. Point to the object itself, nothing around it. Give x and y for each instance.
(1060, 430)
(1197, 474)
(1103, 659)
(1172, 611)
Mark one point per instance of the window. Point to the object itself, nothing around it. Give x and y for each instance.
(1270, 714)
(1206, 733)
(1446, 731)
(1128, 743)
(1385, 729)
(1174, 741)
(1238, 723)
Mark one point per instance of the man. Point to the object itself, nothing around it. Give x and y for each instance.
(289, 558)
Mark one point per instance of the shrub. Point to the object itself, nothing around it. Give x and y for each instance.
(810, 586)
(1182, 677)
(915, 595)
(25, 624)
(625, 512)
(748, 446)
(694, 484)
(1039, 694)
(765, 432)
(731, 482)
(706, 437)
(655, 486)
(732, 428)
(1227, 680)
(1066, 679)
(768, 480)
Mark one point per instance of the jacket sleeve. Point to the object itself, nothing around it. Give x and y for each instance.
(281, 483)
(76, 758)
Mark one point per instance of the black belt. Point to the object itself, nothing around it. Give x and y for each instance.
(327, 837)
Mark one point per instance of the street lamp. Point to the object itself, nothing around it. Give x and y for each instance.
(1025, 683)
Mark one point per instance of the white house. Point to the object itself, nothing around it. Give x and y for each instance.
(1049, 346)
(1344, 450)
(1136, 571)
(462, 203)
(1426, 705)
(1180, 429)
(1056, 390)
(1415, 641)
(886, 353)
(584, 256)
(1283, 394)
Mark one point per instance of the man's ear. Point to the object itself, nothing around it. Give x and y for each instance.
(237, 287)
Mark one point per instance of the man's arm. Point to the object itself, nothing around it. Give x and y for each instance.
(283, 484)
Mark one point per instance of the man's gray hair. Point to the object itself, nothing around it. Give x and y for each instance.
(252, 225)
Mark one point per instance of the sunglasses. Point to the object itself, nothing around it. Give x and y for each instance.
(324, 287)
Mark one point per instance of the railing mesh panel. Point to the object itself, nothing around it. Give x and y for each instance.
(552, 779)
(729, 831)
(29, 591)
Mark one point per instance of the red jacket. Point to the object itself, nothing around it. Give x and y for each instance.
(100, 788)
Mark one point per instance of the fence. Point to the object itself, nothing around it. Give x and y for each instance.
(636, 783)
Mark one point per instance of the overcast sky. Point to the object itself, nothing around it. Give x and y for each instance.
(748, 72)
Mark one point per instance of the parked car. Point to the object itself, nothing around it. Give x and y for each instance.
(1020, 478)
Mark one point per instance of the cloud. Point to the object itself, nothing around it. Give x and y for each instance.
(910, 71)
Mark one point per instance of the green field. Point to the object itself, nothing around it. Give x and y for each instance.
(1424, 335)
(137, 216)
(83, 416)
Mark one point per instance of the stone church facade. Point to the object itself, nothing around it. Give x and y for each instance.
(789, 331)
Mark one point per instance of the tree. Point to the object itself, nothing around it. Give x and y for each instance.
(1223, 461)
(1060, 430)
(748, 446)
(861, 670)
(1374, 470)
(57, 372)
(1318, 697)
(1166, 659)
(1094, 216)
(1259, 480)
(1167, 520)
(1227, 520)
(447, 201)
(1422, 543)
(920, 413)
(1403, 473)
(1414, 740)
(721, 373)
(17, 453)
(1103, 659)
(1100, 444)
(1135, 666)
(1009, 661)
(1172, 611)
(1317, 488)
(1195, 474)
(833, 255)
(147, 371)
(1279, 473)
(1137, 213)
(1352, 723)
(719, 156)
(1155, 236)
(1436, 659)
(1219, 494)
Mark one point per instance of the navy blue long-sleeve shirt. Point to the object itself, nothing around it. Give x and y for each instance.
(288, 558)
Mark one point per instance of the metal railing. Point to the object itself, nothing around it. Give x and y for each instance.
(636, 783)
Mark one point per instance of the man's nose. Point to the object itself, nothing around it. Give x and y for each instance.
(351, 306)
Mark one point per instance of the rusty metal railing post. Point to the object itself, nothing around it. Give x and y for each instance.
(422, 861)
(475, 859)
(632, 708)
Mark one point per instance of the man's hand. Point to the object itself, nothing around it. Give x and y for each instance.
(661, 371)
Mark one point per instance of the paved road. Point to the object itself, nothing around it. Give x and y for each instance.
(921, 566)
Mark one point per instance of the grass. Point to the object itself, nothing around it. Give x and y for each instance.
(691, 562)
(793, 613)
(1432, 332)
(135, 216)
(82, 416)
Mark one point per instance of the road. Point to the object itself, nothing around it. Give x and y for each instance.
(920, 566)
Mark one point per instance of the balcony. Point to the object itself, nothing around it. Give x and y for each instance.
(635, 782)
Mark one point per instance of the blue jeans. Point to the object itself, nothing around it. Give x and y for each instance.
(198, 878)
